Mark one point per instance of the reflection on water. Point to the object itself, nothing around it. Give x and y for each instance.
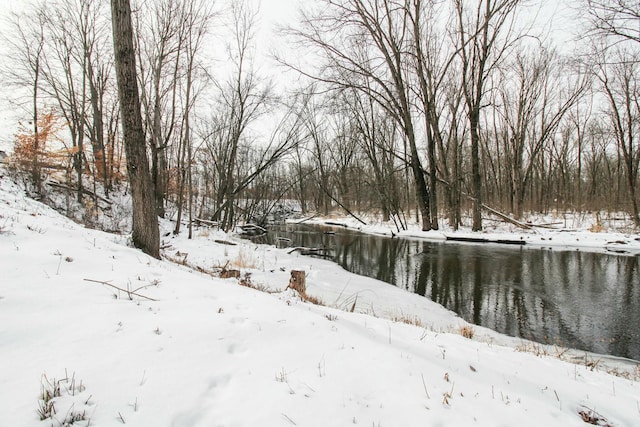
(589, 301)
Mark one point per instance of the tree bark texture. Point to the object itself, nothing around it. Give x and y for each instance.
(145, 232)
(298, 281)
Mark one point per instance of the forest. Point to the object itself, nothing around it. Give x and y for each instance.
(434, 111)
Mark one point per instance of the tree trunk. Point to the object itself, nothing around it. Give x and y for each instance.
(97, 130)
(633, 195)
(474, 119)
(422, 193)
(35, 168)
(298, 281)
(145, 233)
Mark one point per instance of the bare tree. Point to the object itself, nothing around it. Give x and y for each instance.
(145, 232)
(619, 77)
(26, 40)
(64, 71)
(580, 117)
(195, 17)
(371, 54)
(534, 97)
(316, 146)
(69, 70)
(378, 136)
(97, 59)
(482, 44)
(160, 38)
(243, 98)
(434, 59)
(615, 18)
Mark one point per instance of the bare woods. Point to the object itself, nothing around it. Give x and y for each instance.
(433, 110)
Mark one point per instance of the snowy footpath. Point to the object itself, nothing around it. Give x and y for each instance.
(93, 332)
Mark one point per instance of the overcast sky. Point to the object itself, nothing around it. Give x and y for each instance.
(551, 15)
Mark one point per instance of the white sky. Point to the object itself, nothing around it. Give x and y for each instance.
(272, 14)
(556, 14)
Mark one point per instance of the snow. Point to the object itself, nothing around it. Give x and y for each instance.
(570, 231)
(191, 349)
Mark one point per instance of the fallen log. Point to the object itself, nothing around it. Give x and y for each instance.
(485, 240)
(511, 242)
(252, 230)
(311, 251)
(549, 226)
(224, 242)
(493, 211)
(336, 224)
(507, 218)
(84, 191)
(467, 239)
(207, 223)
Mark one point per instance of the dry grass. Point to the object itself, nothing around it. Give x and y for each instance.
(304, 296)
(310, 298)
(590, 416)
(467, 331)
(245, 259)
(179, 258)
(229, 273)
(593, 364)
(248, 283)
(632, 375)
(533, 348)
(408, 320)
(596, 228)
(51, 391)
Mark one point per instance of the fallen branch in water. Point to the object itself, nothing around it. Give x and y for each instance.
(310, 251)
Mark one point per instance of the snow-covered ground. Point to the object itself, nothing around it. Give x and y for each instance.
(175, 346)
(593, 232)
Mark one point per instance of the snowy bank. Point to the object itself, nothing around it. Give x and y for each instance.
(93, 332)
(565, 232)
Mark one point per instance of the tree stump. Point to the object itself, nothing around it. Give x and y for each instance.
(298, 281)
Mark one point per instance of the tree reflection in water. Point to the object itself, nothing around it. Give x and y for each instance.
(589, 301)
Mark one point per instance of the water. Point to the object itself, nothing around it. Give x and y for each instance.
(588, 301)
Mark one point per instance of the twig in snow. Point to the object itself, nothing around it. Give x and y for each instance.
(558, 397)
(353, 307)
(425, 387)
(289, 419)
(590, 416)
(59, 262)
(128, 292)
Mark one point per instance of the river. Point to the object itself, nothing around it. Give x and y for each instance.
(583, 300)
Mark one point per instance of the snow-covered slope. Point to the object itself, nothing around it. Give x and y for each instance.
(192, 350)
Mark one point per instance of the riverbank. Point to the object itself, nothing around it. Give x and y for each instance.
(96, 332)
(579, 231)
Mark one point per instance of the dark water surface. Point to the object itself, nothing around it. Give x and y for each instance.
(588, 301)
